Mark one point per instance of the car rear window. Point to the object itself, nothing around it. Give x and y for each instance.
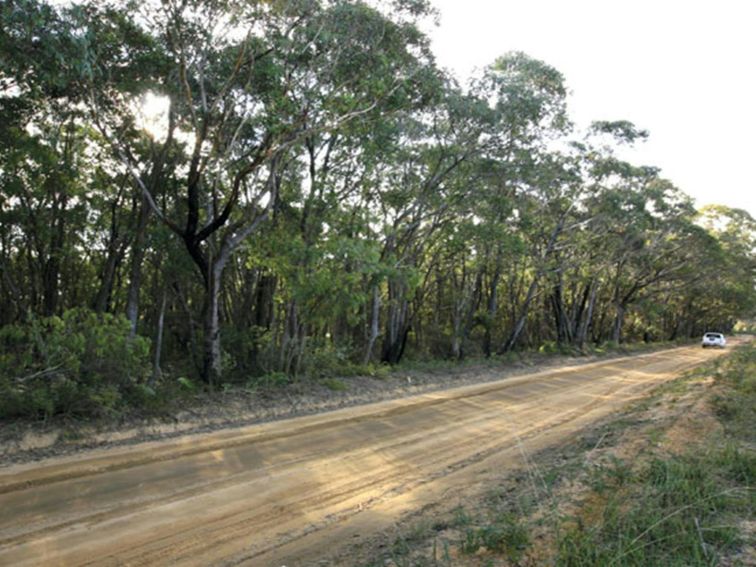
(713, 336)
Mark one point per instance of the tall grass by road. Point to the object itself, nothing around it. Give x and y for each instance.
(682, 509)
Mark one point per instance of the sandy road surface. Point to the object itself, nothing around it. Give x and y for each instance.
(298, 491)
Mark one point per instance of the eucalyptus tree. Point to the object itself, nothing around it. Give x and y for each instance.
(646, 223)
(49, 62)
(725, 292)
(247, 82)
(578, 265)
(527, 98)
(427, 178)
(44, 165)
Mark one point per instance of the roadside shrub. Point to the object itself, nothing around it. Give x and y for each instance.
(253, 351)
(323, 359)
(553, 347)
(79, 364)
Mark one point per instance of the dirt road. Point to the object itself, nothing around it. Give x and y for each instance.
(300, 491)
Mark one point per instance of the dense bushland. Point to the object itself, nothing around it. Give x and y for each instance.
(79, 365)
(295, 189)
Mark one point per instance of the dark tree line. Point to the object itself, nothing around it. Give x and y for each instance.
(284, 187)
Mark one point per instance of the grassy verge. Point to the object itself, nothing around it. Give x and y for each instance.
(677, 508)
(668, 483)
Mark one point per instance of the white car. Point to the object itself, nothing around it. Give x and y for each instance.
(713, 339)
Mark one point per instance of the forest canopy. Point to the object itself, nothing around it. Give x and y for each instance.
(221, 190)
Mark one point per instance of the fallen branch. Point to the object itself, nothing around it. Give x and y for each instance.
(41, 373)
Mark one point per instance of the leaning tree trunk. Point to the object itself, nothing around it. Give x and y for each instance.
(522, 317)
(156, 370)
(581, 334)
(375, 312)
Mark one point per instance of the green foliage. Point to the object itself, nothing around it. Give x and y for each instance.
(553, 347)
(375, 370)
(80, 364)
(186, 384)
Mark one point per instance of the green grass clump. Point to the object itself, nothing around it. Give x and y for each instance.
(506, 536)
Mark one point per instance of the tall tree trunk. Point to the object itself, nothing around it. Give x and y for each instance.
(156, 371)
(265, 308)
(521, 318)
(290, 341)
(491, 308)
(51, 267)
(107, 277)
(115, 250)
(191, 325)
(470, 307)
(456, 343)
(585, 322)
(211, 351)
(397, 324)
(619, 319)
(579, 310)
(458, 301)
(17, 300)
(135, 271)
(561, 321)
